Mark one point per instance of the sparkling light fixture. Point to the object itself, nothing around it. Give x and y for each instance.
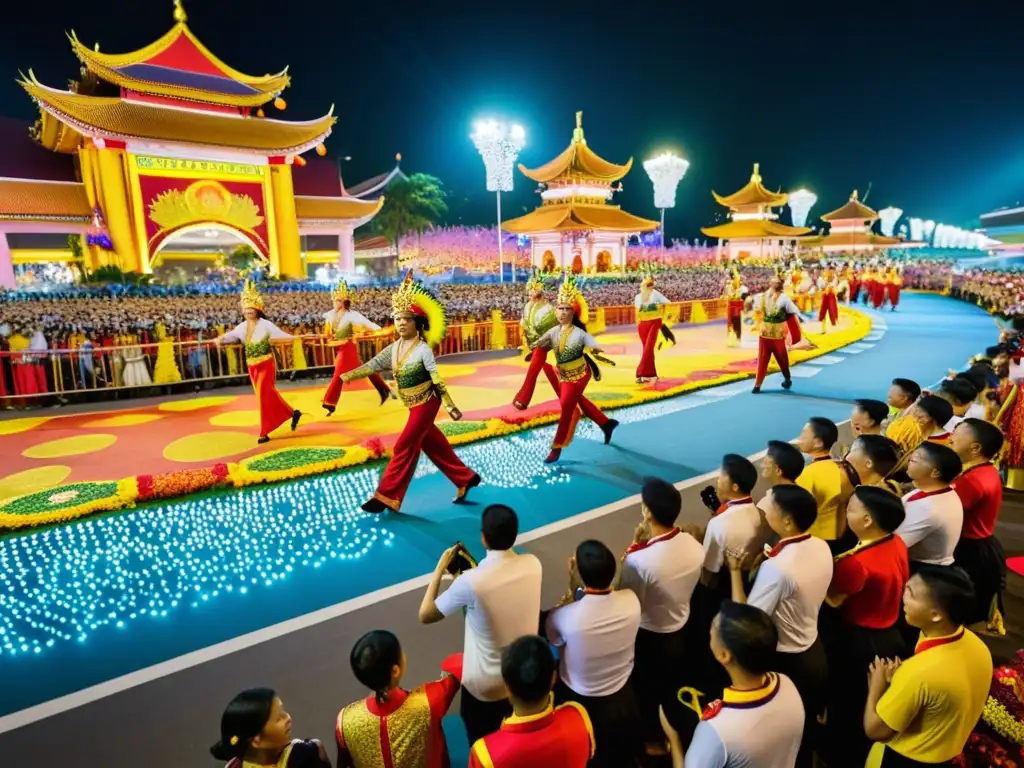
(929, 227)
(917, 230)
(665, 172)
(499, 145)
(888, 218)
(800, 204)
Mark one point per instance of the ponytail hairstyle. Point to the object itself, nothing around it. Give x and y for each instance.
(373, 658)
(577, 322)
(243, 720)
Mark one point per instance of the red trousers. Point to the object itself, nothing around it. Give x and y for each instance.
(793, 327)
(766, 349)
(538, 363)
(29, 379)
(648, 331)
(829, 308)
(346, 358)
(854, 291)
(420, 435)
(894, 295)
(734, 318)
(572, 401)
(877, 295)
(274, 409)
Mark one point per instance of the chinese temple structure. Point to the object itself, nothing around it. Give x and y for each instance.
(753, 231)
(575, 227)
(850, 230)
(166, 145)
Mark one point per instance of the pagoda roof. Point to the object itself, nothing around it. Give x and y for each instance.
(330, 209)
(577, 161)
(178, 66)
(850, 240)
(126, 121)
(753, 229)
(573, 216)
(753, 194)
(376, 185)
(30, 200)
(853, 210)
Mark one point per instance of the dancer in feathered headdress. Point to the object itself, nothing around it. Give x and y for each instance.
(570, 341)
(340, 327)
(257, 333)
(778, 312)
(736, 294)
(828, 287)
(421, 324)
(649, 304)
(538, 318)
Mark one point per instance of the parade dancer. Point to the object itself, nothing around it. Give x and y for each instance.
(868, 284)
(257, 334)
(570, 341)
(776, 308)
(538, 318)
(340, 326)
(735, 295)
(895, 284)
(421, 324)
(878, 289)
(829, 309)
(649, 305)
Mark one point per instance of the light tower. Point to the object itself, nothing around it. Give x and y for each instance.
(888, 217)
(499, 145)
(917, 230)
(665, 171)
(800, 204)
(929, 227)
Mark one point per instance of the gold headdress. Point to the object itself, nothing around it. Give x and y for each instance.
(413, 300)
(648, 281)
(535, 283)
(251, 298)
(569, 295)
(736, 277)
(341, 292)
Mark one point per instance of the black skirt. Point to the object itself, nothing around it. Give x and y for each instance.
(985, 562)
(616, 722)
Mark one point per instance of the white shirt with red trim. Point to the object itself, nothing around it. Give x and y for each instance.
(663, 573)
(737, 525)
(932, 526)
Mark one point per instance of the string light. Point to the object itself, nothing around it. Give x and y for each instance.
(666, 171)
(800, 204)
(499, 146)
(888, 218)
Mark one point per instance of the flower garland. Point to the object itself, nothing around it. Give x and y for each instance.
(173, 484)
(998, 738)
(291, 463)
(67, 502)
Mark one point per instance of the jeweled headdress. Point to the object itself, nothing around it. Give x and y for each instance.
(569, 295)
(413, 300)
(251, 298)
(341, 292)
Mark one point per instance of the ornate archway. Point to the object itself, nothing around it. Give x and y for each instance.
(200, 245)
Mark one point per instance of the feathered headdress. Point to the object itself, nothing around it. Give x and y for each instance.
(251, 298)
(535, 283)
(413, 300)
(569, 295)
(341, 292)
(648, 281)
(736, 277)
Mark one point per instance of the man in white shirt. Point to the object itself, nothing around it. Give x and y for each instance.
(960, 394)
(935, 514)
(501, 597)
(596, 635)
(662, 566)
(790, 586)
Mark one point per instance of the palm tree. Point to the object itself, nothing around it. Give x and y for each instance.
(411, 205)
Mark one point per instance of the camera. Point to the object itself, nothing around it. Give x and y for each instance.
(710, 498)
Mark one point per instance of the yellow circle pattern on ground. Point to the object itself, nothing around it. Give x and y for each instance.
(32, 480)
(456, 369)
(125, 420)
(207, 446)
(14, 426)
(69, 446)
(176, 406)
(236, 419)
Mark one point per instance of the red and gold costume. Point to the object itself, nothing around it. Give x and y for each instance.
(649, 305)
(855, 278)
(894, 285)
(829, 308)
(559, 736)
(340, 329)
(422, 390)
(1010, 420)
(735, 295)
(538, 318)
(259, 358)
(878, 289)
(868, 284)
(777, 309)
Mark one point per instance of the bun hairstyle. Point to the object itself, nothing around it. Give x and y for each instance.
(373, 658)
(242, 721)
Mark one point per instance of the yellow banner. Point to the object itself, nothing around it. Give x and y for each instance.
(174, 165)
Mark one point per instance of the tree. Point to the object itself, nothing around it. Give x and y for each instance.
(410, 205)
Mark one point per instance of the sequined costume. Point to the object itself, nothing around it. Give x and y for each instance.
(340, 329)
(777, 310)
(735, 294)
(827, 288)
(1010, 419)
(538, 318)
(422, 390)
(894, 284)
(649, 305)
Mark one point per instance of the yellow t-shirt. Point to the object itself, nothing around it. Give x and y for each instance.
(936, 698)
(905, 432)
(831, 488)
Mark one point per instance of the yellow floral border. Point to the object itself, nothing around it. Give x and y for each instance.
(241, 475)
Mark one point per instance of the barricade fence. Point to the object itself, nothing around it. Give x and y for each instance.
(32, 378)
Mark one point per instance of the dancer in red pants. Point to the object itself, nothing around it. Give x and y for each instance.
(776, 309)
(649, 305)
(421, 323)
(895, 285)
(878, 289)
(538, 318)
(827, 287)
(340, 327)
(570, 341)
(735, 294)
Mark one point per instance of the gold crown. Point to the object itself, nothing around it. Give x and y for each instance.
(569, 295)
(412, 300)
(648, 280)
(251, 298)
(535, 283)
(341, 292)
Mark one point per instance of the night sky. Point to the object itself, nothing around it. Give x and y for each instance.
(925, 103)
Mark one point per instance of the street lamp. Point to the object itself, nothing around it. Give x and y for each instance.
(800, 204)
(665, 171)
(889, 216)
(499, 145)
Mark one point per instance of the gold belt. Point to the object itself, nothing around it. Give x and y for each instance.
(417, 395)
(574, 370)
(652, 314)
(773, 330)
(258, 360)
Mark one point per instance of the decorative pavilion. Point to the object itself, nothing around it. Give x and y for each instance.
(575, 227)
(753, 231)
(166, 144)
(850, 230)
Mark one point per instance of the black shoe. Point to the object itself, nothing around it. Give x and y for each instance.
(608, 428)
(375, 506)
(328, 408)
(296, 415)
(553, 456)
(384, 395)
(460, 497)
(756, 390)
(787, 384)
(262, 440)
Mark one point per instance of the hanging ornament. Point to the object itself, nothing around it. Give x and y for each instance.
(280, 104)
(259, 113)
(96, 235)
(321, 150)
(300, 161)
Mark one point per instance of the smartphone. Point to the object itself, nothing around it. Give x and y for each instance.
(462, 561)
(710, 498)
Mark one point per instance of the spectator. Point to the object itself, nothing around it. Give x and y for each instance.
(826, 480)
(413, 718)
(596, 636)
(735, 525)
(873, 458)
(536, 734)
(868, 416)
(256, 730)
(932, 413)
(903, 393)
(662, 566)
(980, 490)
(759, 720)
(935, 514)
(960, 394)
(901, 428)
(921, 712)
(782, 463)
(502, 601)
